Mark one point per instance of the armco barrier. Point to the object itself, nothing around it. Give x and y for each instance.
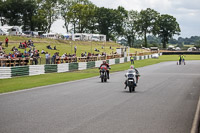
(121, 60)
(108, 61)
(82, 65)
(111, 61)
(90, 64)
(50, 68)
(128, 59)
(125, 59)
(116, 61)
(73, 66)
(5, 72)
(63, 67)
(36, 69)
(8, 72)
(19, 71)
(98, 63)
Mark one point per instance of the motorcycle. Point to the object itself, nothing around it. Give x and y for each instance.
(131, 80)
(103, 71)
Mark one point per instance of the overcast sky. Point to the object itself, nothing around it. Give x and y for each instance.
(186, 12)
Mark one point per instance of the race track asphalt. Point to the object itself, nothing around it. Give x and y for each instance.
(164, 102)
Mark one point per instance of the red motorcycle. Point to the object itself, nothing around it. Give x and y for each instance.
(103, 72)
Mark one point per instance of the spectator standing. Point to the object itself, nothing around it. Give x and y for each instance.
(132, 59)
(47, 56)
(6, 42)
(75, 49)
(53, 59)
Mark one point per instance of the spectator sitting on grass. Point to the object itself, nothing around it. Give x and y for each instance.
(42, 51)
(49, 47)
(54, 48)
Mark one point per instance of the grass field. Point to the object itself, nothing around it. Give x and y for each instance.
(20, 83)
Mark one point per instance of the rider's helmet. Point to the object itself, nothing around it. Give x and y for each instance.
(104, 62)
(132, 67)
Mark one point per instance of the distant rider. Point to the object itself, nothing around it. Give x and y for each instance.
(131, 70)
(108, 67)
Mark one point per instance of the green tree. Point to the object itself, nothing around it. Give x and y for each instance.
(130, 26)
(51, 10)
(12, 13)
(110, 22)
(168, 27)
(29, 11)
(147, 23)
(2, 11)
(65, 6)
(81, 15)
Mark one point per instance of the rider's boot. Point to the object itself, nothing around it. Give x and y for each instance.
(125, 85)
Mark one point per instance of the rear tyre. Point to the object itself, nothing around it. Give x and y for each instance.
(105, 80)
(102, 79)
(133, 89)
(130, 89)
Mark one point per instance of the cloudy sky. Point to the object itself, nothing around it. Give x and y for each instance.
(187, 12)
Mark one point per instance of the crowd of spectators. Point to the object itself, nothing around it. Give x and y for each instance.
(30, 51)
(16, 54)
(25, 44)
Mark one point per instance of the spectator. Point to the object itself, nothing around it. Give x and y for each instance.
(64, 55)
(75, 49)
(54, 48)
(25, 52)
(53, 59)
(42, 52)
(47, 56)
(1, 55)
(6, 42)
(49, 47)
(35, 58)
(22, 55)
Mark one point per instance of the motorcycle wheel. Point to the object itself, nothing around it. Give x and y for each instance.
(105, 80)
(133, 88)
(130, 89)
(101, 79)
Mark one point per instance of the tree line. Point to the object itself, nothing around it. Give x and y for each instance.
(82, 16)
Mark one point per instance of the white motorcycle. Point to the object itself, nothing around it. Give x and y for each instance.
(131, 80)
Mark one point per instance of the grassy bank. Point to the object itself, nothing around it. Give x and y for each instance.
(63, 46)
(20, 83)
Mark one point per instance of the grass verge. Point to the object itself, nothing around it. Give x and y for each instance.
(20, 83)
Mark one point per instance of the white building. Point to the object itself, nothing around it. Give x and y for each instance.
(10, 30)
(88, 37)
(51, 35)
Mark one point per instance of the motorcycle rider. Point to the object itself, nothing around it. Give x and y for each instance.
(106, 64)
(131, 71)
